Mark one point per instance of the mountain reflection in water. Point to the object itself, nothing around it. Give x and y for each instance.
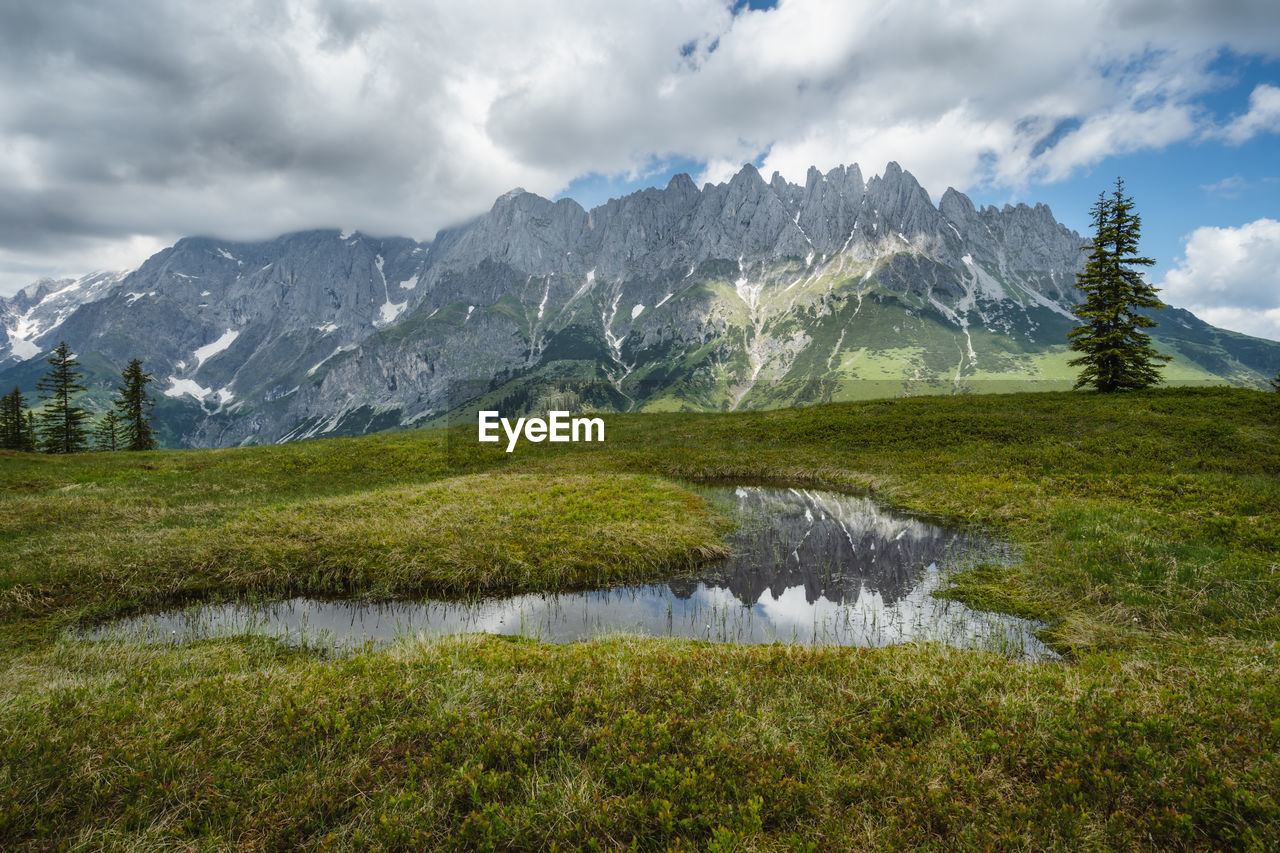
(833, 546)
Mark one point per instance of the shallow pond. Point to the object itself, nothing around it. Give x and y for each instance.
(808, 567)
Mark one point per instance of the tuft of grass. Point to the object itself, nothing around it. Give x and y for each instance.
(461, 536)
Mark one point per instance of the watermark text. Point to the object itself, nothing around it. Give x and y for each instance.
(557, 426)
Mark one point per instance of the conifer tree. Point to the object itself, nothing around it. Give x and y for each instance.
(62, 428)
(13, 421)
(1117, 354)
(29, 442)
(107, 434)
(135, 409)
(1275, 383)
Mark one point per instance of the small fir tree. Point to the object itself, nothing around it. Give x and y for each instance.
(62, 427)
(1116, 354)
(135, 409)
(1275, 383)
(107, 434)
(30, 442)
(13, 421)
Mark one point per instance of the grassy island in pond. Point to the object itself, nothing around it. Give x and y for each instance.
(1148, 530)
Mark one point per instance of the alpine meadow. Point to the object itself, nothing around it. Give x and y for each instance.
(1146, 527)
(679, 426)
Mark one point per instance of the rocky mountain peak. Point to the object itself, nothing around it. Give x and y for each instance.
(681, 184)
(956, 206)
(747, 176)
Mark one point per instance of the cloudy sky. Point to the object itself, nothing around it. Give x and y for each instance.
(125, 124)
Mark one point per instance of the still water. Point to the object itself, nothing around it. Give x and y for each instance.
(807, 567)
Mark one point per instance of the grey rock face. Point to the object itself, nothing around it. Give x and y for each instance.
(738, 294)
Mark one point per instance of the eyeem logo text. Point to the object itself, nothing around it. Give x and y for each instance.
(558, 426)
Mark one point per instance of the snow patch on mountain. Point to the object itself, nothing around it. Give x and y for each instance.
(320, 363)
(179, 387)
(389, 311)
(208, 351)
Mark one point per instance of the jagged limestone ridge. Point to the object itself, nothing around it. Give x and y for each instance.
(737, 294)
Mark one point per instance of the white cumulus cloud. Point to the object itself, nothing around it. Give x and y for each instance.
(1263, 115)
(1230, 277)
(247, 118)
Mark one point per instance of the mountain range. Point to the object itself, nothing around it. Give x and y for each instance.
(744, 294)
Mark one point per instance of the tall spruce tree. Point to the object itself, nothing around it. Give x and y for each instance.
(13, 421)
(135, 409)
(62, 428)
(106, 436)
(1117, 354)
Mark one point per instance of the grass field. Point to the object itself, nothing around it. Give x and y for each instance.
(1149, 532)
